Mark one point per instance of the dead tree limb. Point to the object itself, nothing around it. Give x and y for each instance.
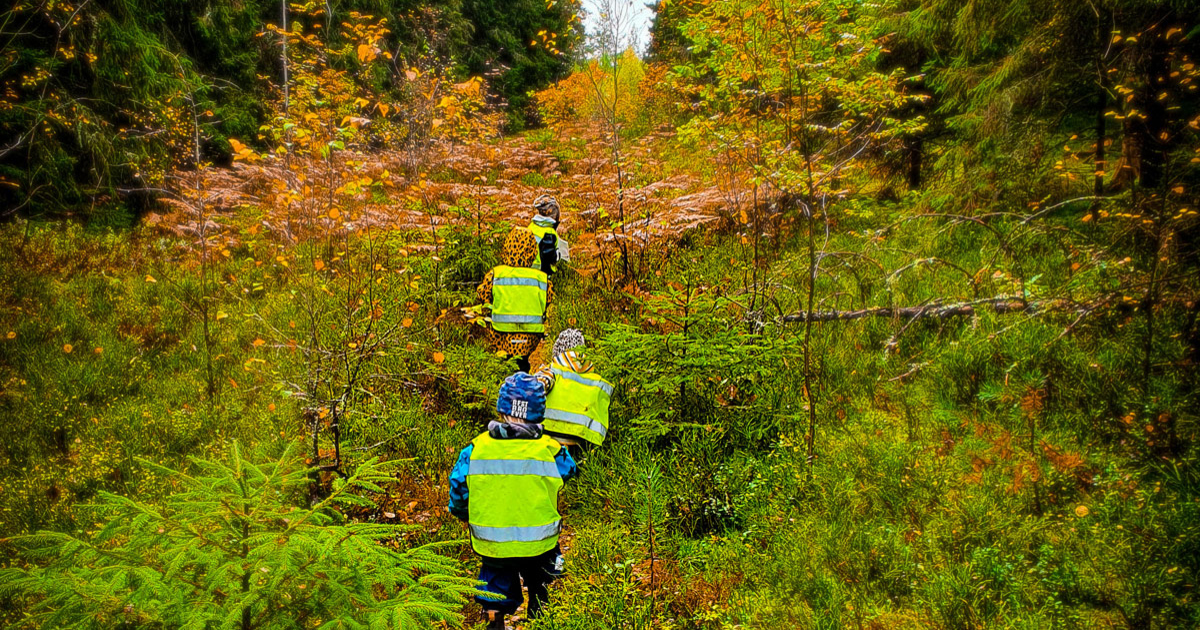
(1000, 305)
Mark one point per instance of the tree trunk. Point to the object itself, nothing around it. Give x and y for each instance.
(1153, 123)
(914, 148)
(283, 13)
(1128, 167)
(1101, 105)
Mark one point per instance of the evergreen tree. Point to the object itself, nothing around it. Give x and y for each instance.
(232, 549)
(996, 67)
(667, 41)
(525, 44)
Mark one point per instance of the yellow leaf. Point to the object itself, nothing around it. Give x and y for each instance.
(366, 53)
(1178, 190)
(384, 108)
(150, 278)
(11, 334)
(438, 357)
(68, 348)
(743, 217)
(1082, 511)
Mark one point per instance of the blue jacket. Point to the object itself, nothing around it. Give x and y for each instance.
(459, 496)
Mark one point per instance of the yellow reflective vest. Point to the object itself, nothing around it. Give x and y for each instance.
(540, 232)
(513, 485)
(519, 297)
(578, 404)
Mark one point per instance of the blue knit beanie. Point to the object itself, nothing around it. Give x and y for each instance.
(522, 396)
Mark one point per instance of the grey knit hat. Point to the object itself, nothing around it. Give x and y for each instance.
(568, 339)
(546, 206)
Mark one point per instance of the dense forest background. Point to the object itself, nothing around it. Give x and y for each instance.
(900, 300)
(106, 94)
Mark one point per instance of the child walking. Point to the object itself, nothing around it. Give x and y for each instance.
(505, 486)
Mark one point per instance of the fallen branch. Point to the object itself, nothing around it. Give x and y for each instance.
(1000, 305)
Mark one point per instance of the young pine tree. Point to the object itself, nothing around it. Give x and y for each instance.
(232, 549)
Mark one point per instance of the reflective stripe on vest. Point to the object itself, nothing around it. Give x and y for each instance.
(583, 380)
(516, 534)
(571, 417)
(519, 297)
(578, 405)
(539, 233)
(513, 488)
(520, 282)
(512, 467)
(516, 319)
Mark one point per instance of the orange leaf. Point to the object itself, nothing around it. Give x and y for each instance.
(438, 357)
(68, 348)
(258, 342)
(406, 322)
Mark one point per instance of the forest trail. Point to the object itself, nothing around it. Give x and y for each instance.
(480, 185)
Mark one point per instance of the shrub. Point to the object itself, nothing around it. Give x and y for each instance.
(233, 549)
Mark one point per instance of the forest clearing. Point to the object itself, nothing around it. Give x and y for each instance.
(875, 315)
